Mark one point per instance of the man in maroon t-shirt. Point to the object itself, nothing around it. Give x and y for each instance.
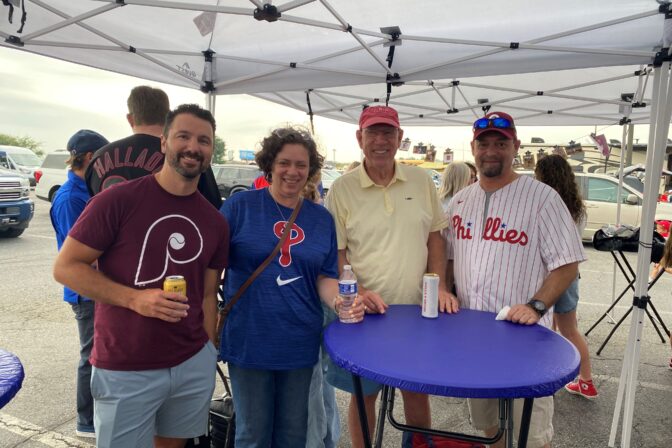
(154, 362)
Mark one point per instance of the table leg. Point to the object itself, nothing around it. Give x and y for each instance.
(359, 396)
(508, 411)
(525, 422)
(386, 405)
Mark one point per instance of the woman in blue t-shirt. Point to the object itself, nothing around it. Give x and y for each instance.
(272, 335)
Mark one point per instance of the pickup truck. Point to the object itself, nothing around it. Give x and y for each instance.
(16, 207)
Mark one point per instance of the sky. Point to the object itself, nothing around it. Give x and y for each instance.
(49, 100)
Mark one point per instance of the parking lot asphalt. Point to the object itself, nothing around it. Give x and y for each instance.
(39, 327)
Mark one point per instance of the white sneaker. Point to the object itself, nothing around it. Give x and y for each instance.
(85, 434)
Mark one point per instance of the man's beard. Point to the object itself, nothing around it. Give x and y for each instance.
(174, 161)
(490, 169)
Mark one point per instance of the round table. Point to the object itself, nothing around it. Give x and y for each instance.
(468, 354)
(11, 377)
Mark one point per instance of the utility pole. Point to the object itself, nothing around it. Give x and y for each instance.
(334, 150)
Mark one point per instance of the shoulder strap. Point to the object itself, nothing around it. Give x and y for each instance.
(262, 266)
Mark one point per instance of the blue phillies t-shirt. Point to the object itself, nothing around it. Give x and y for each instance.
(277, 323)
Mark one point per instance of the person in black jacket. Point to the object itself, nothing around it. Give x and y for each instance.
(140, 153)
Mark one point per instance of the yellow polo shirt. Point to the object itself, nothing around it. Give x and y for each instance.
(385, 229)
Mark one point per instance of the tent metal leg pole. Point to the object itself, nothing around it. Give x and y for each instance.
(621, 389)
(618, 210)
(631, 137)
(661, 110)
(626, 433)
(631, 359)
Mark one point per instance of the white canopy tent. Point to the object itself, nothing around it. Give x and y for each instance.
(547, 62)
(448, 55)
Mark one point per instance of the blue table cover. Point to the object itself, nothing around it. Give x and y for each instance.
(468, 354)
(11, 376)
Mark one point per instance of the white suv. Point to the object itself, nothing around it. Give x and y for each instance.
(600, 192)
(52, 174)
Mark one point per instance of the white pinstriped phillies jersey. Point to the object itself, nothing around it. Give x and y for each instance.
(503, 258)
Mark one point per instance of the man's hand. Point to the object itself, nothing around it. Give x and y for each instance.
(448, 303)
(159, 304)
(373, 303)
(522, 314)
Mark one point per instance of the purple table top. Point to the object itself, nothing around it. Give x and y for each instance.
(11, 376)
(468, 354)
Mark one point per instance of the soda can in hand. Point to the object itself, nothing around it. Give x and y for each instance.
(175, 283)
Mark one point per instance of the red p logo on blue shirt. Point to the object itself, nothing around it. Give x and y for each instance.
(296, 236)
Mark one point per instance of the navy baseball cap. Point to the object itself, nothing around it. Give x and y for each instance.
(85, 141)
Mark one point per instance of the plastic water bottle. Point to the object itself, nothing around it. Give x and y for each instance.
(347, 289)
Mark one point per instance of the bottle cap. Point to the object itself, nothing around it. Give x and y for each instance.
(347, 267)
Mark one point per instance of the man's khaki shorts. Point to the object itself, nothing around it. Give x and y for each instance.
(485, 414)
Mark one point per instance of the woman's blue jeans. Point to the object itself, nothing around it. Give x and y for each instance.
(271, 406)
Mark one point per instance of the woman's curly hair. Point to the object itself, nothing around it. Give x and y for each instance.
(554, 171)
(273, 144)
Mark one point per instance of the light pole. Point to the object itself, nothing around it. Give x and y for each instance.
(334, 150)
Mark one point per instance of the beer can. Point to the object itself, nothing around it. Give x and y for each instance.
(430, 296)
(175, 283)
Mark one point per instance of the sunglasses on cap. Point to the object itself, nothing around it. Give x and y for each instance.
(498, 123)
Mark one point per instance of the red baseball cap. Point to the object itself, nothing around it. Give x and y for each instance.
(664, 224)
(378, 115)
(507, 131)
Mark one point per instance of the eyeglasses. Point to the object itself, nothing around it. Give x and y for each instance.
(387, 134)
(499, 123)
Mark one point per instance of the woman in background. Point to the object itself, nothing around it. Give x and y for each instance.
(456, 176)
(555, 172)
(474, 172)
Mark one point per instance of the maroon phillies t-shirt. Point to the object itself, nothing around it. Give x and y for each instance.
(147, 234)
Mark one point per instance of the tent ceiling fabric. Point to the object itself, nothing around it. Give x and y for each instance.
(336, 48)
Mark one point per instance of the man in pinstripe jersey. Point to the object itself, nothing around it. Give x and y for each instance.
(510, 242)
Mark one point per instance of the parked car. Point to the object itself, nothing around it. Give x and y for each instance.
(16, 207)
(600, 194)
(51, 175)
(21, 160)
(233, 178)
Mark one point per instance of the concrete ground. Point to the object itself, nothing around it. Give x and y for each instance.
(37, 326)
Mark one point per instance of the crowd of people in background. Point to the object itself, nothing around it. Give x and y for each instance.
(278, 249)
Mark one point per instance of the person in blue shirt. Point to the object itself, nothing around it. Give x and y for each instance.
(68, 204)
(271, 337)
